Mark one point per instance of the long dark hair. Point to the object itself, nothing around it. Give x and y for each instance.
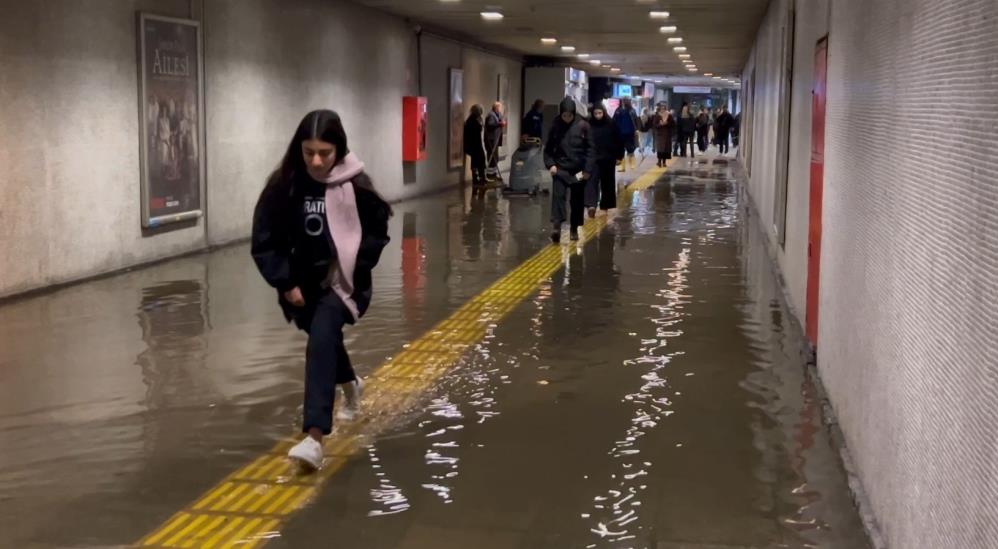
(324, 125)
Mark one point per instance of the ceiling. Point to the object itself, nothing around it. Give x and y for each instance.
(619, 33)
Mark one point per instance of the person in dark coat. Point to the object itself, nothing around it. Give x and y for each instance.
(663, 125)
(687, 129)
(494, 124)
(474, 148)
(601, 189)
(628, 124)
(724, 124)
(569, 151)
(703, 129)
(533, 121)
(319, 228)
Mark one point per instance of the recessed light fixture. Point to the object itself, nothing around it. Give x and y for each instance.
(549, 41)
(658, 81)
(595, 62)
(708, 74)
(583, 56)
(680, 49)
(684, 56)
(676, 40)
(718, 78)
(668, 29)
(658, 14)
(614, 69)
(492, 16)
(691, 69)
(568, 49)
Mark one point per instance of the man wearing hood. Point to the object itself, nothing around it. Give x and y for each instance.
(569, 150)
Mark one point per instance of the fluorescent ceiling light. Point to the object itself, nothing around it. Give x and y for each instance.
(676, 40)
(691, 69)
(658, 81)
(680, 49)
(595, 62)
(492, 16)
(708, 74)
(668, 29)
(614, 69)
(583, 56)
(718, 78)
(685, 56)
(658, 14)
(568, 49)
(549, 41)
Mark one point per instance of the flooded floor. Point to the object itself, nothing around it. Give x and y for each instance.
(650, 394)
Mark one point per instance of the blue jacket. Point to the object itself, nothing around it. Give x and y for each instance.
(533, 124)
(626, 120)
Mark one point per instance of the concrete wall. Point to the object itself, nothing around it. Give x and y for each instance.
(69, 144)
(907, 303)
(69, 154)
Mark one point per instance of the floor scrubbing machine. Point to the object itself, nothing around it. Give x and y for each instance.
(527, 175)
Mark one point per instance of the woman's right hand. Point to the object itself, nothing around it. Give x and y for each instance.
(294, 297)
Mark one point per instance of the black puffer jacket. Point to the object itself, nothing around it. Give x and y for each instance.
(570, 146)
(606, 138)
(279, 236)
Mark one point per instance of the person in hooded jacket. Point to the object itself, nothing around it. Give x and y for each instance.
(319, 228)
(474, 148)
(569, 151)
(601, 189)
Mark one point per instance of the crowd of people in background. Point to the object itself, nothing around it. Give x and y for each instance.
(583, 154)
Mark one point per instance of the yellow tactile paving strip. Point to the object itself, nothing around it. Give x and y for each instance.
(250, 505)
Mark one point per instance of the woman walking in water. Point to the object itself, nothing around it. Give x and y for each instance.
(318, 231)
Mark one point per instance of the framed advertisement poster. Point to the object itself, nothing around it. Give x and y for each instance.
(455, 146)
(171, 118)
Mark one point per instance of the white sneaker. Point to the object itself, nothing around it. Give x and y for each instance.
(351, 400)
(308, 453)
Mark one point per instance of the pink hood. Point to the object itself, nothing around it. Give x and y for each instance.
(344, 226)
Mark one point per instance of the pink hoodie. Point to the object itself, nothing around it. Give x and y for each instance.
(344, 226)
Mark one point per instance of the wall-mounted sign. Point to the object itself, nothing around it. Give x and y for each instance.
(691, 89)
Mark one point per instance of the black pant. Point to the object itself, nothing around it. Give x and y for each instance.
(702, 140)
(477, 169)
(722, 142)
(492, 151)
(684, 140)
(560, 190)
(601, 189)
(326, 361)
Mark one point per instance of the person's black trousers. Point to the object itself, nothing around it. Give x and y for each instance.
(685, 140)
(326, 361)
(477, 170)
(607, 183)
(702, 140)
(601, 188)
(562, 188)
(722, 142)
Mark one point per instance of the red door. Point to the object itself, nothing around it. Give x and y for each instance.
(818, 99)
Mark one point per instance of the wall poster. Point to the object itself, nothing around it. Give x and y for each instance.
(170, 99)
(455, 147)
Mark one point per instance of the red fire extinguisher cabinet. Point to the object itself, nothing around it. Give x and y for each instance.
(413, 129)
